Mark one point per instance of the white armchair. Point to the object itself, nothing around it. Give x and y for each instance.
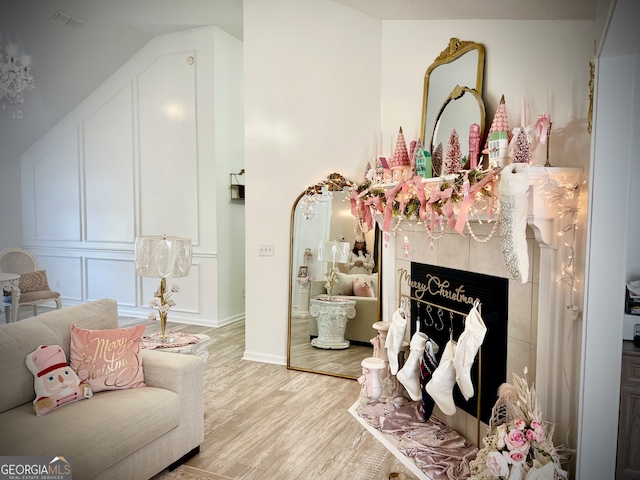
(33, 287)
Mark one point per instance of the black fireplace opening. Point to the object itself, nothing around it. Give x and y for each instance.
(433, 286)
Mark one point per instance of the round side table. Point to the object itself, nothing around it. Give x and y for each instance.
(332, 315)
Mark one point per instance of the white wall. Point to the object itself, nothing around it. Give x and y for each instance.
(312, 107)
(146, 153)
(614, 201)
(228, 122)
(11, 201)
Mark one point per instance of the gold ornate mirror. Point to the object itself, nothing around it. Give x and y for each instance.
(462, 108)
(461, 63)
(323, 213)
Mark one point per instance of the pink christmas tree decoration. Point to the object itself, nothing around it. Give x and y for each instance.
(474, 145)
(436, 160)
(522, 150)
(500, 122)
(453, 156)
(413, 150)
(400, 161)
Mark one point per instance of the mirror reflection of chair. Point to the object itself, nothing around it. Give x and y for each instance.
(33, 287)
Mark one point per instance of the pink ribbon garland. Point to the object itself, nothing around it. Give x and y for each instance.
(541, 127)
(354, 202)
(391, 195)
(471, 198)
(447, 208)
(419, 184)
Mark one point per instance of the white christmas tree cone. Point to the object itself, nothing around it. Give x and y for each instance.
(513, 188)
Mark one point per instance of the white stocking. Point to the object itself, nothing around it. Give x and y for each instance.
(440, 387)
(513, 188)
(469, 343)
(409, 375)
(395, 337)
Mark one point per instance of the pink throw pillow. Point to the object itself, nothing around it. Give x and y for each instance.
(108, 359)
(362, 288)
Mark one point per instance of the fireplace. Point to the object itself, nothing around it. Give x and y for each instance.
(440, 301)
(540, 331)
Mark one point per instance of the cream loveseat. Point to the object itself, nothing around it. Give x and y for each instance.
(359, 328)
(118, 434)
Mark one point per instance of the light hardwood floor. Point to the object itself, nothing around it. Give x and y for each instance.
(265, 422)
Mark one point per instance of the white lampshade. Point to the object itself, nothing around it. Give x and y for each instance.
(333, 251)
(162, 256)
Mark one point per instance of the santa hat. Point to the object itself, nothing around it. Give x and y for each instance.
(48, 358)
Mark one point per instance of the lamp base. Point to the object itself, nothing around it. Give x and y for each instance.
(158, 338)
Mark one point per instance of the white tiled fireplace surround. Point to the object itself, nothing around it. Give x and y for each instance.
(539, 336)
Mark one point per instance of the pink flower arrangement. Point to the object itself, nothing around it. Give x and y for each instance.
(518, 446)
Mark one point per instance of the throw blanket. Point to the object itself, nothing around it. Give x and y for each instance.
(437, 449)
(180, 340)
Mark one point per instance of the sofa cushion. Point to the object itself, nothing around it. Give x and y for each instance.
(362, 288)
(33, 281)
(54, 381)
(344, 284)
(119, 422)
(108, 359)
(18, 339)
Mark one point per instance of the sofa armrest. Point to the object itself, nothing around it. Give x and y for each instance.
(172, 371)
(183, 374)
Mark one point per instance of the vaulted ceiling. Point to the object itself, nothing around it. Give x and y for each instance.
(69, 61)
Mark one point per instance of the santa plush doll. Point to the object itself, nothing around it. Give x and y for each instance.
(55, 382)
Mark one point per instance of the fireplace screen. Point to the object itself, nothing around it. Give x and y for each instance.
(456, 290)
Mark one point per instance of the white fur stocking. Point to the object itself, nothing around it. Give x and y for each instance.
(395, 337)
(469, 343)
(409, 375)
(513, 188)
(440, 387)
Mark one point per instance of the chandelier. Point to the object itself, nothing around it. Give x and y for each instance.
(15, 78)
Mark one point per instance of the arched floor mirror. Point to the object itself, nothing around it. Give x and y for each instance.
(323, 213)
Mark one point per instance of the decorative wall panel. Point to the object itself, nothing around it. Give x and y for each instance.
(108, 168)
(111, 279)
(57, 192)
(64, 274)
(168, 147)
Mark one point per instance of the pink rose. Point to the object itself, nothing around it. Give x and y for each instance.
(497, 464)
(531, 435)
(520, 424)
(516, 440)
(538, 429)
(517, 457)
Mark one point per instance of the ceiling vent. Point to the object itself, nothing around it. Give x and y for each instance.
(66, 19)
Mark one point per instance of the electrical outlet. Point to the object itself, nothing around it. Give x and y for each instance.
(57, 283)
(265, 250)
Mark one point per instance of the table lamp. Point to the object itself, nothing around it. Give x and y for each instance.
(163, 257)
(334, 252)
